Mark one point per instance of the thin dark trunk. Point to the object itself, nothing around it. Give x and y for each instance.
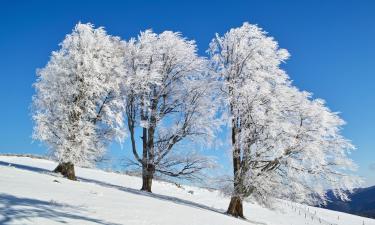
(147, 176)
(67, 170)
(148, 168)
(146, 179)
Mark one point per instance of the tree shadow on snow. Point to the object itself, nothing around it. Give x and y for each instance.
(24, 167)
(167, 198)
(129, 190)
(16, 209)
(153, 195)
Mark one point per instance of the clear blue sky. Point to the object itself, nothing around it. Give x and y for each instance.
(332, 44)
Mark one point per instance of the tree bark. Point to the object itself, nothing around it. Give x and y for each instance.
(67, 170)
(147, 176)
(235, 207)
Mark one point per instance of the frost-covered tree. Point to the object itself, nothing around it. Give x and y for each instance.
(284, 144)
(76, 109)
(169, 99)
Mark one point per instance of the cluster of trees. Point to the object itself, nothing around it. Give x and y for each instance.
(99, 88)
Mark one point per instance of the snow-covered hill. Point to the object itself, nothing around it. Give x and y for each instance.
(30, 194)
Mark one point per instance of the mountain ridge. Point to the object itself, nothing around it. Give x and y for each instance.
(362, 202)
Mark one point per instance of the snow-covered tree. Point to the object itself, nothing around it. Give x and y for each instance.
(77, 108)
(284, 144)
(169, 99)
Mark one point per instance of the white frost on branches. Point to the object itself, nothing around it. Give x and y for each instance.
(169, 95)
(76, 109)
(285, 144)
(282, 138)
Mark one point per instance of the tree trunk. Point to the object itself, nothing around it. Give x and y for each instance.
(235, 207)
(147, 176)
(67, 170)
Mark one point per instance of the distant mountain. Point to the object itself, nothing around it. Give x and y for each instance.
(362, 202)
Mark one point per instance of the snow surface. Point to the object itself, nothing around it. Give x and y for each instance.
(31, 194)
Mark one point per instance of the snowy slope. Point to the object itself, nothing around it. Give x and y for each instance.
(30, 194)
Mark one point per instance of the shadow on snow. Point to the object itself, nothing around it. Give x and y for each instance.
(125, 189)
(13, 208)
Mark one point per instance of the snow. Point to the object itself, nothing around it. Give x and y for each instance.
(31, 194)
